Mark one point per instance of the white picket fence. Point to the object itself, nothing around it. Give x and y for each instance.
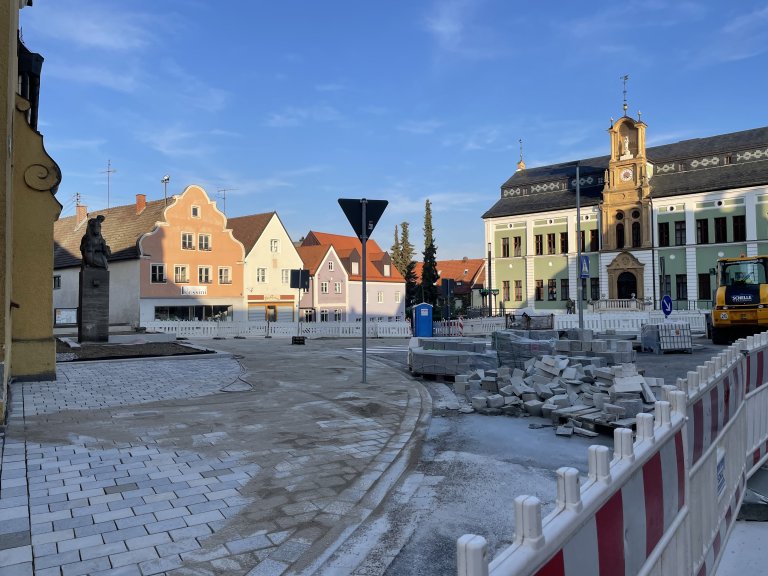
(197, 329)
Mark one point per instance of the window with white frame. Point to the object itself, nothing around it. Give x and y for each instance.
(157, 274)
(387, 270)
(204, 274)
(323, 315)
(380, 297)
(274, 245)
(355, 267)
(330, 265)
(180, 274)
(187, 241)
(203, 241)
(261, 275)
(323, 287)
(195, 211)
(57, 282)
(337, 287)
(397, 297)
(285, 276)
(337, 315)
(225, 275)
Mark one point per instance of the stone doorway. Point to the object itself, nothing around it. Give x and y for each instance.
(625, 277)
(626, 285)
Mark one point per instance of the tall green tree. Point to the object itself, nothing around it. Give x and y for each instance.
(396, 252)
(407, 249)
(411, 286)
(429, 270)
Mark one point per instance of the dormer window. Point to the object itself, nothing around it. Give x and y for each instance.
(330, 266)
(195, 211)
(355, 268)
(387, 271)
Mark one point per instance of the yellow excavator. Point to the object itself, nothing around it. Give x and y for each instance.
(741, 298)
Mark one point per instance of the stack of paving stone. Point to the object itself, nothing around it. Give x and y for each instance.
(581, 344)
(583, 397)
(449, 356)
(515, 347)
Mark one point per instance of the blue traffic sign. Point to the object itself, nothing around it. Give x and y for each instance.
(666, 305)
(584, 267)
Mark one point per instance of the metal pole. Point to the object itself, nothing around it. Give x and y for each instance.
(490, 283)
(579, 296)
(363, 240)
(653, 252)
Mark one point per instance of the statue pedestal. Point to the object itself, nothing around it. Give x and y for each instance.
(93, 311)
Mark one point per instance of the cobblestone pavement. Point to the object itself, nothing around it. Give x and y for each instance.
(262, 463)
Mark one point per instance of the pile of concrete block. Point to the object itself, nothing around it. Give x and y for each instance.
(449, 356)
(515, 347)
(612, 351)
(565, 390)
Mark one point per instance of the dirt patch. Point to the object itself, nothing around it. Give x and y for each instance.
(117, 351)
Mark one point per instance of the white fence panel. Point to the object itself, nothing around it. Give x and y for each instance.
(195, 329)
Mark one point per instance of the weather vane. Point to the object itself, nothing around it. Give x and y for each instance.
(521, 149)
(625, 78)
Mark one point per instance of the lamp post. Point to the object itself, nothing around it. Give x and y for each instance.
(579, 295)
(490, 283)
(165, 179)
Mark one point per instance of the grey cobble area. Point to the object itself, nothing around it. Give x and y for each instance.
(258, 464)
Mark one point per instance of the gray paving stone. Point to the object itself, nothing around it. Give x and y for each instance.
(165, 525)
(178, 547)
(24, 569)
(199, 531)
(256, 542)
(150, 540)
(56, 536)
(18, 555)
(269, 567)
(161, 565)
(133, 557)
(129, 570)
(86, 567)
(125, 534)
(135, 521)
(72, 522)
(203, 518)
(57, 559)
(15, 525)
(78, 543)
(103, 550)
(99, 528)
(171, 513)
(16, 539)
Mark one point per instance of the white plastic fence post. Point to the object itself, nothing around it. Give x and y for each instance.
(568, 489)
(645, 424)
(599, 463)
(622, 444)
(679, 402)
(662, 414)
(472, 555)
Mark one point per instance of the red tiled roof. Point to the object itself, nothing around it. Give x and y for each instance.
(348, 246)
(121, 229)
(248, 229)
(455, 269)
(312, 256)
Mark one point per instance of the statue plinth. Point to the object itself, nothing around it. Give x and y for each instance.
(93, 305)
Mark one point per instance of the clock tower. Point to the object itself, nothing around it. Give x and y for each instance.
(626, 207)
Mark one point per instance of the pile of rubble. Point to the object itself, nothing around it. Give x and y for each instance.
(449, 356)
(582, 397)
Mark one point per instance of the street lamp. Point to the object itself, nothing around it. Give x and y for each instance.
(165, 179)
(490, 283)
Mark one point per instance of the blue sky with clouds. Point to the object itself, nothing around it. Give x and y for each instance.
(291, 105)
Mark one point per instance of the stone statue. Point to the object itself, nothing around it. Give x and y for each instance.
(93, 247)
(626, 146)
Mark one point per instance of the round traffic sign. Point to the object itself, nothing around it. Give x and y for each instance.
(666, 305)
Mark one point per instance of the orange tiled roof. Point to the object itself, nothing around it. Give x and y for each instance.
(455, 269)
(248, 229)
(349, 246)
(312, 256)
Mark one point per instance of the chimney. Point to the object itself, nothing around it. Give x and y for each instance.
(81, 213)
(141, 203)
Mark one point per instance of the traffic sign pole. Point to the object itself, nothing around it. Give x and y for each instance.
(364, 241)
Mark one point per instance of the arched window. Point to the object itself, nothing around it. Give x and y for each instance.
(619, 235)
(636, 240)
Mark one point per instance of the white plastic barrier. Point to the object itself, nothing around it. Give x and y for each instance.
(628, 321)
(663, 505)
(196, 329)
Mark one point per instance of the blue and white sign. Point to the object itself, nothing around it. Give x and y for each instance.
(584, 267)
(666, 305)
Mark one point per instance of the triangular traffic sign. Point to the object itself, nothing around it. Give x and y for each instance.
(353, 210)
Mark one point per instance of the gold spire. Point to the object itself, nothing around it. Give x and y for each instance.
(521, 164)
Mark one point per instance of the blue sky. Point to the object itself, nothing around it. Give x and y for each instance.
(291, 105)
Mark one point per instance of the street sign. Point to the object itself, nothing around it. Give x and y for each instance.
(584, 267)
(353, 209)
(666, 305)
(300, 279)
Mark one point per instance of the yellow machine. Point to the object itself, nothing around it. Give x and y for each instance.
(741, 299)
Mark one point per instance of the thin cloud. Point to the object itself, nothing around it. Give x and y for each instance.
(175, 141)
(419, 126)
(293, 116)
(331, 87)
(91, 25)
(194, 91)
(75, 144)
(123, 81)
(455, 31)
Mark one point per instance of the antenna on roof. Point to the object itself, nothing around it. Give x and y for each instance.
(223, 195)
(165, 179)
(625, 78)
(109, 171)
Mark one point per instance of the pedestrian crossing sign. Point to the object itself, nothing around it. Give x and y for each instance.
(584, 267)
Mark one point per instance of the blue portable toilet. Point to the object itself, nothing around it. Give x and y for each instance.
(422, 320)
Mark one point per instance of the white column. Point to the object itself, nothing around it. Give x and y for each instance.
(750, 204)
(530, 283)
